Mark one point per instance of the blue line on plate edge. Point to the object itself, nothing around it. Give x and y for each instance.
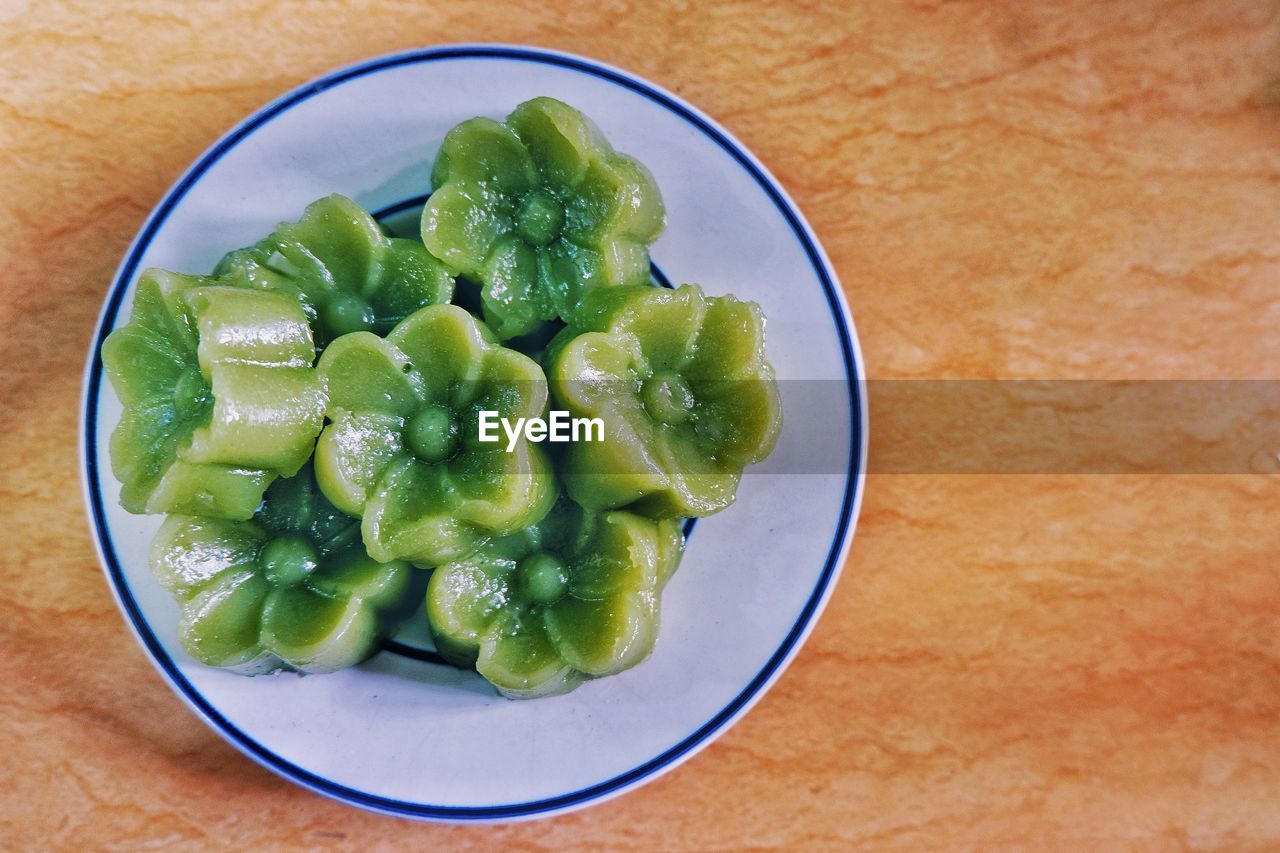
(397, 647)
(407, 651)
(305, 777)
(401, 206)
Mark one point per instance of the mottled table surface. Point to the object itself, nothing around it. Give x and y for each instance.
(1008, 189)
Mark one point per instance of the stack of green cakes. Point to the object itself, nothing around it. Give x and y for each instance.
(308, 418)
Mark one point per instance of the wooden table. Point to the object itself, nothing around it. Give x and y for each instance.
(1008, 189)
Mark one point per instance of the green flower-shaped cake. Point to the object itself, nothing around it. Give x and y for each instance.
(348, 274)
(574, 596)
(403, 449)
(219, 395)
(688, 400)
(540, 210)
(290, 589)
(301, 494)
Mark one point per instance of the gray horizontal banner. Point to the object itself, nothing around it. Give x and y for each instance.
(1074, 427)
(1018, 426)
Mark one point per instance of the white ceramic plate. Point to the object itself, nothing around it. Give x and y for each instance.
(409, 737)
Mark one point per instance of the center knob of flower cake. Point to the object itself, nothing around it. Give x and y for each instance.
(348, 313)
(543, 577)
(288, 559)
(540, 218)
(432, 434)
(667, 397)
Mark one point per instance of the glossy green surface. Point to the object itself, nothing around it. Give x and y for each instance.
(688, 399)
(223, 395)
(292, 588)
(219, 395)
(403, 448)
(540, 210)
(574, 596)
(348, 275)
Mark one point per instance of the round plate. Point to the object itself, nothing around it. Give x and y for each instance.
(409, 737)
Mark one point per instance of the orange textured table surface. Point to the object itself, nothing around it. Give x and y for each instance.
(1008, 189)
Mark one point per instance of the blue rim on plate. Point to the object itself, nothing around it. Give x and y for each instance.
(660, 763)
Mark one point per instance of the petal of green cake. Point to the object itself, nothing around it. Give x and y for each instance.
(189, 552)
(602, 637)
(512, 384)
(251, 327)
(463, 598)
(624, 263)
(461, 225)
(741, 418)
(317, 633)
(173, 320)
(364, 373)
(509, 385)
(447, 346)
(221, 491)
(352, 573)
(617, 199)
(558, 137)
(263, 416)
(141, 363)
(220, 624)
(664, 323)
(670, 548)
(502, 491)
(346, 240)
(641, 215)
(698, 484)
(511, 294)
(410, 517)
(621, 555)
(411, 279)
(484, 152)
(730, 342)
(142, 446)
(352, 454)
(524, 663)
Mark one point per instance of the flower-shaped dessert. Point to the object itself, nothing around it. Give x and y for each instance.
(573, 596)
(539, 210)
(219, 395)
(291, 588)
(404, 447)
(686, 395)
(348, 274)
